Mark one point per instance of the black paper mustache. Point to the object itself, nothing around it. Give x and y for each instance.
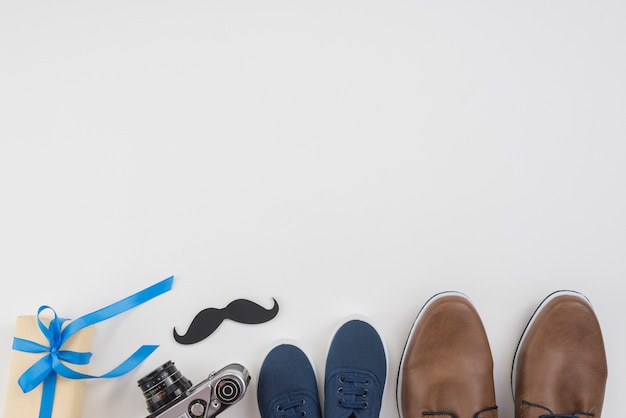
(209, 319)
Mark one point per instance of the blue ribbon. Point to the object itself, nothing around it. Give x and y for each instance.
(48, 367)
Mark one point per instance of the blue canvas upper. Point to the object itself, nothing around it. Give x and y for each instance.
(356, 371)
(287, 387)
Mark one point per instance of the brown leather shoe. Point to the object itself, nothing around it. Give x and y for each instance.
(447, 368)
(559, 368)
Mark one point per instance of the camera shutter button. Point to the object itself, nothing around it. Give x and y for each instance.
(197, 409)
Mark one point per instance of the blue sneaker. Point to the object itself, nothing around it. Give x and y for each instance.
(287, 386)
(356, 372)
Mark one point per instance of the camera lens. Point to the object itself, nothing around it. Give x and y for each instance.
(162, 386)
(227, 390)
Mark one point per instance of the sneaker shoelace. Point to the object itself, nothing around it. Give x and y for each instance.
(291, 409)
(476, 415)
(551, 414)
(353, 391)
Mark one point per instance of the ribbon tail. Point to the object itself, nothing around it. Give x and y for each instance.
(130, 363)
(47, 396)
(117, 307)
(133, 361)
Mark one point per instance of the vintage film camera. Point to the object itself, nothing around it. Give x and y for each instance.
(169, 394)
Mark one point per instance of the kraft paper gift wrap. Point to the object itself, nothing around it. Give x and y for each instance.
(50, 357)
(69, 394)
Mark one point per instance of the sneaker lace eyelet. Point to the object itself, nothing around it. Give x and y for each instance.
(340, 389)
(365, 405)
(342, 379)
(367, 382)
(340, 402)
(365, 393)
(303, 414)
(302, 402)
(279, 408)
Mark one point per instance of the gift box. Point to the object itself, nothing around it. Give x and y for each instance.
(50, 358)
(69, 393)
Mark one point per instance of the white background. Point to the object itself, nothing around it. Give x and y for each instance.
(341, 156)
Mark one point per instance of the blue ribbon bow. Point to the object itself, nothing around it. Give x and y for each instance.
(48, 367)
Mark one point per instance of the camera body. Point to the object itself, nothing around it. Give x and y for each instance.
(170, 395)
